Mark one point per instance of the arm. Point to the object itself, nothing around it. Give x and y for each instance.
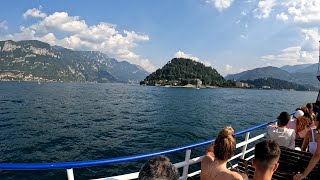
(313, 162)
(305, 142)
(210, 150)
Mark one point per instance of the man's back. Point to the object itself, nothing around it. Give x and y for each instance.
(283, 136)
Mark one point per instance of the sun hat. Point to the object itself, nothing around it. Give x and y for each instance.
(298, 114)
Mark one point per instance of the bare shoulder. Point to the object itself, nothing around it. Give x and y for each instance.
(238, 176)
(207, 159)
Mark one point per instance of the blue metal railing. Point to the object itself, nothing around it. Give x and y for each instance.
(78, 164)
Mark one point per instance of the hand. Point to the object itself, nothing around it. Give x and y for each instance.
(298, 177)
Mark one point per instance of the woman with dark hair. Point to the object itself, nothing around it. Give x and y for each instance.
(214, 164)
(311, 113)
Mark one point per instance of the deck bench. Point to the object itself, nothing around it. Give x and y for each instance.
(291, 162)
(278, 175)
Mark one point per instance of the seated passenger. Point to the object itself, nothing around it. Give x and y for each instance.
(312, 141)
(214, 164)
(301, 123)
(292, 124)
(280, 133)
(159, 168)
(265, 162)
(311, 113)
(304, 124)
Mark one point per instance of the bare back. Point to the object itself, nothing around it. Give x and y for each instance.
(210, 170)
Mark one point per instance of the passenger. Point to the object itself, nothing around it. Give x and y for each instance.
(159, 168)
(280, 133)
(292, 124)
(304, 124)
(214, 164)
(312, 141)
(311, 114)
(265, 162)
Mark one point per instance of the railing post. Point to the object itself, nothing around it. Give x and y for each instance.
(186, 167)
(70, 174)
(244, 148)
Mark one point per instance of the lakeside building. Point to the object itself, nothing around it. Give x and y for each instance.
(242, 85)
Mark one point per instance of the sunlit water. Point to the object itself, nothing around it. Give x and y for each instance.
(54, 122)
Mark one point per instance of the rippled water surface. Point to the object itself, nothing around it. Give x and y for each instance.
(54, 122)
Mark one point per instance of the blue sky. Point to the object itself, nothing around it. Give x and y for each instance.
(229, 35)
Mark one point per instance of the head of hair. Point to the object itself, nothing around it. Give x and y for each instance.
(305, 110)
(225, 144)
(266, 154)
(302, 123)
(159, 168)
(310, 107)
(283, 119)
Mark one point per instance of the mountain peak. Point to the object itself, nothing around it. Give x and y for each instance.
(36, 60)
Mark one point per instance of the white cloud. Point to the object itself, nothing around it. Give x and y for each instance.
(300, 11)
(181, 54)
(73, 32)
(303, 11)
(243, 13)
(220, 4)
(34, 12)
(242, 36)
(3, 25)
(229, 69)
(306, 52)
(264, 8)
(282, 16)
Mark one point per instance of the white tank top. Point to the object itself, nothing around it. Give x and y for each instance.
(313, 144)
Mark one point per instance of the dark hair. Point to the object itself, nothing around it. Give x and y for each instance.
(266, 153)
(283, 119)
(225, 144)
(310, 107)
(159, 168)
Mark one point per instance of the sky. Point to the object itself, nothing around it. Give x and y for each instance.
(229, 35)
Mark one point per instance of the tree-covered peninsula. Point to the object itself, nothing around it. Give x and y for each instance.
(186, 72)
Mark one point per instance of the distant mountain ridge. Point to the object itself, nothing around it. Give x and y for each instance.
(36, 60)
(294, 68)
(304, 74)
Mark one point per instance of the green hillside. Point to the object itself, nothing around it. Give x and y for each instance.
(181, 71)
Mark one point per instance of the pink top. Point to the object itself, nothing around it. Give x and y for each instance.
(292, 124)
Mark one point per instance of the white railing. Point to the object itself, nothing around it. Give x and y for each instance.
(187, 162)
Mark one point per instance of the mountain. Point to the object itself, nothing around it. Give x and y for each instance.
(264, 72)
(181, 71)
(278, 84)
(294, 68)
(303, 75)
(36, 60)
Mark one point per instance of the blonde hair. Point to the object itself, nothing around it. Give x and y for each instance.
(225, 144)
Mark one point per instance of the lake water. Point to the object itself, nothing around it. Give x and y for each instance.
(54, 122)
